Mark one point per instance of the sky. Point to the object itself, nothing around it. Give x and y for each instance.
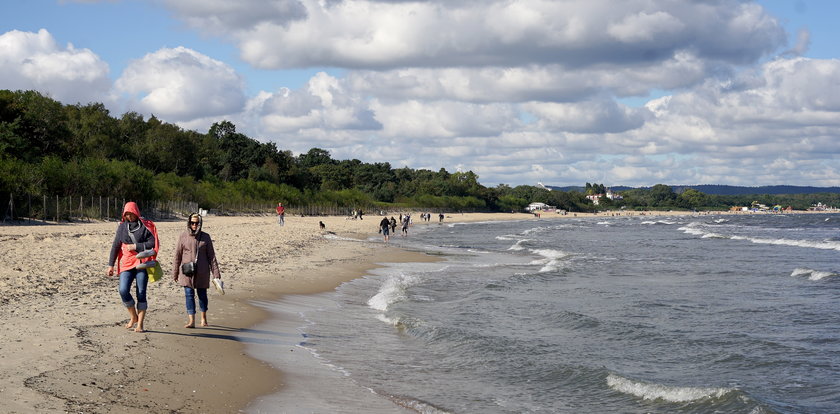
(562, 92)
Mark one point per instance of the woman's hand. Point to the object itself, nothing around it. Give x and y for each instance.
(110, 271)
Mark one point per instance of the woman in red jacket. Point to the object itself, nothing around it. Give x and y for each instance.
(195, 261)
(134, 249)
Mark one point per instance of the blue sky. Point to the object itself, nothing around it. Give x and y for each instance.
(522, 91)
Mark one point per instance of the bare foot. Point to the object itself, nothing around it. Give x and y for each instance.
(130, 324)
(189, 325)
(204, 322)
(139, 329)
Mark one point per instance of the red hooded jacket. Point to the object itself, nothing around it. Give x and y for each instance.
(125, 258)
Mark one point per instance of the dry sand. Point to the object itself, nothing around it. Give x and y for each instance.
(63, 346)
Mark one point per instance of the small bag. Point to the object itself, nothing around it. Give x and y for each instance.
(155, 272)
(188, 268)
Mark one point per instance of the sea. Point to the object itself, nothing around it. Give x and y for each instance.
(606, 314)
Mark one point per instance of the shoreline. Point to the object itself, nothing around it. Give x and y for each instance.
(64, 347)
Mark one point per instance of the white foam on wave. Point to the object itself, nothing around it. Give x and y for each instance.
(518, 245)
(551, 259)
(651, 391)
(331, 236)
(390, 321)
(811, 273)
(824, 245)
(534, 230)
(507, 237)
(693, 228)
(393, 290)
(478, 251)
(650, 222)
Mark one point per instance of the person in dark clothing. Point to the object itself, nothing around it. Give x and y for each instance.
(385, 228)
(134, 249)
(406, 220)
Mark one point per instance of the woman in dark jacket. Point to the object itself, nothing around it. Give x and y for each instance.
(195, 247)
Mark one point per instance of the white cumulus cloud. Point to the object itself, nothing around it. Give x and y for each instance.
(180, 84)
(34, 61)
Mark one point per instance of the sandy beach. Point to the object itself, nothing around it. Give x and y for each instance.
(64, 347)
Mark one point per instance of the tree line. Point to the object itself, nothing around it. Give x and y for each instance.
(52, 149)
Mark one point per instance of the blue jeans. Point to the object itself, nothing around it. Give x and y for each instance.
(189, 293)
(126, 278)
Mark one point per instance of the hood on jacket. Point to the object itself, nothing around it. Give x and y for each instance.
(200, 223)
(130, 207)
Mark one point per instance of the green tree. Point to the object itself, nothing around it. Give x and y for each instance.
(511, 203)
(93, 132)
(692, 199)
(315, 157)
(662, 195)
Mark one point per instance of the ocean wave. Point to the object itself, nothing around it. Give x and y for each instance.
(811, 273)
(518, 245)
(666, 222)
(395, 322)
(479, 251)
(330, 236)
(421, 407)
(393, 290)
(651, 391)
(824, 245)
(695, 229)
(507, 237)
(534, 230)
(551, 259)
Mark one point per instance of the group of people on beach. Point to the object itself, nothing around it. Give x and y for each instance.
(134, 255)
(388, 226)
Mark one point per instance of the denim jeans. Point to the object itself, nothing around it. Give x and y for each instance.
(189, 293)
(126, 278)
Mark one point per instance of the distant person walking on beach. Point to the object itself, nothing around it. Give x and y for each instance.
(281, 214)
(195, 260)
(134, 249)
(393, 225)
(440, 218)
(385, 228)
(405, 221)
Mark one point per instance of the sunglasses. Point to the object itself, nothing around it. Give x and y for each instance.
(193, 223)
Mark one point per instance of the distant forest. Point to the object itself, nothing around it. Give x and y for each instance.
(50, 149)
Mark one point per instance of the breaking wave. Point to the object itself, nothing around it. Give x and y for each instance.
(811, 273)
(393, 290)
(652, 391)
(551, 259)
(696, 229)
